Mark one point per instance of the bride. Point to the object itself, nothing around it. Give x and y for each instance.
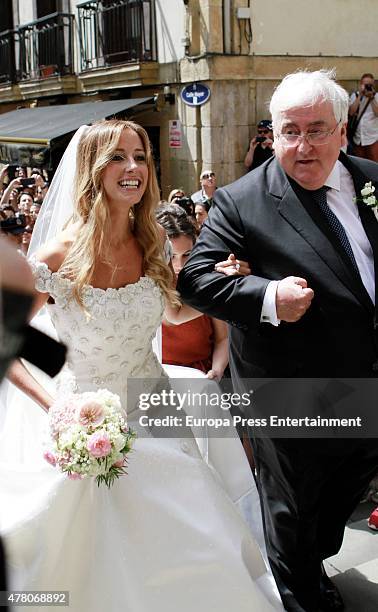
(166, 536)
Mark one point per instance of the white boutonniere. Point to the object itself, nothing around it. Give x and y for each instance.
(369, 198)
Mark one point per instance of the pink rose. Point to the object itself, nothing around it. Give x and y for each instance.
(99, 444)
(91, 414)
(120, 463)
(50, 458)
(74, 476)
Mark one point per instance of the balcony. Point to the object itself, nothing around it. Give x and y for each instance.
(116, 32)
(7, 63)
(44, 48)
(116, 48)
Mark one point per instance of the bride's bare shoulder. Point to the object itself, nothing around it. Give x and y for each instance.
(54, 252)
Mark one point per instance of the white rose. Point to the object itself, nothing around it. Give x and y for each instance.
(370, 201)
(119, 443)
(367, 190)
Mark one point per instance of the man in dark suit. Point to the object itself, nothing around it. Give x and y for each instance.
(307, 310)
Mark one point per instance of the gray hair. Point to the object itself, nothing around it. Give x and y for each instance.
(306, 88)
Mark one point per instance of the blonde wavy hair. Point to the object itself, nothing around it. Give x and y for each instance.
(95, 150)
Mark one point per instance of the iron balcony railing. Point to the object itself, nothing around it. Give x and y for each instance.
(116, 32)
(44, 47)
(7, 60)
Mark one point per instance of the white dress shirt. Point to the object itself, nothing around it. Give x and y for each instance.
(367, 129)
(340, 199)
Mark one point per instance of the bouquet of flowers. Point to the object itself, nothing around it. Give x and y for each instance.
(90, 436)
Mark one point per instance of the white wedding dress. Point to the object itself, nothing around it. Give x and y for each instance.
(166, 537)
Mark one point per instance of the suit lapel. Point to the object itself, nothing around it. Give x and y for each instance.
(302, 213)
(367, 216)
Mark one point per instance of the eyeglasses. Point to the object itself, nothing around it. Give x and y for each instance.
(317, 137)
(208, 175)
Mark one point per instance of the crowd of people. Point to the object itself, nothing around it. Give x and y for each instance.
(274, 274)
(22, 191)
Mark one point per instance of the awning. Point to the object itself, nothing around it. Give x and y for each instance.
(28, 136)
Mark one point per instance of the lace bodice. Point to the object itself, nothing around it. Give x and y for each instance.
(111, 339)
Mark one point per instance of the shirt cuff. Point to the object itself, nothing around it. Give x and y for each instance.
(268, 311)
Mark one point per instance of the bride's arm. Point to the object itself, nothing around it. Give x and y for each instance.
(184, 313)
(20, 376)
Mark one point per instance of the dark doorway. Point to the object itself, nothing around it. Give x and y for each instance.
(122, 30)
(46, 7)
(50, 39)
(7, 60)
(6, 22)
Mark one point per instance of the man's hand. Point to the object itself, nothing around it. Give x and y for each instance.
(293, 298)
(267, 144)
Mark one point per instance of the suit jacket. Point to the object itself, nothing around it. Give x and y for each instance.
(268, 220)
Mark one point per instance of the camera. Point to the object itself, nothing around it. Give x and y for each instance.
(260, 138)
(368, 87)
(186, 204)
(27, 182)
(13, 225)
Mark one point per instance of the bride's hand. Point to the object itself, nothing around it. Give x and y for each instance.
(233, 267)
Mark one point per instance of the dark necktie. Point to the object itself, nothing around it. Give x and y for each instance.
(320, 197)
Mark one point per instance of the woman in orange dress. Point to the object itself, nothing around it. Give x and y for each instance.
(203, 342)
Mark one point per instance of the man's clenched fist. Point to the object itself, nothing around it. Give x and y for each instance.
(293, 298)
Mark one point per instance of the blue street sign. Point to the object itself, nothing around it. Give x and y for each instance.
(195, 94)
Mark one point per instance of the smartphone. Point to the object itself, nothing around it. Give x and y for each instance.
(27, 182)
(260, 138)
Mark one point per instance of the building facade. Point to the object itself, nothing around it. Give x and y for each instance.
(56, 52)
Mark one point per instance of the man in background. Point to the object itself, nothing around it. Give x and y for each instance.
(261, 146)
(364, 104)
(208, 186)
